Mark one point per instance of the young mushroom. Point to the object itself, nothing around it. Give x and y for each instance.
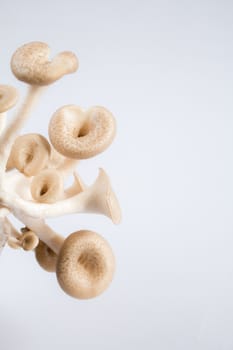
(30, 153)
(47, 186)
(29, 240)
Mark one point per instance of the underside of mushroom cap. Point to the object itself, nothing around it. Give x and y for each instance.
(31, 63)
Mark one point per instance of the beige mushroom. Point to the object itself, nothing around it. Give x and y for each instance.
(29, 240)
(31, 64)
(81, 134)
(8, 98)
(47, 186)
(46, 257)
(84, 260)
(30, 153)
(85, 265)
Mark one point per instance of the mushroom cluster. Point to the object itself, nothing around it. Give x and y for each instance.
(33, 172)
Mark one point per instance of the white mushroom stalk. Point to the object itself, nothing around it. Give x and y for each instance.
(33, 174)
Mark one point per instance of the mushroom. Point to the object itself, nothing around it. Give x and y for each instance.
(31, 64)
(81, 134)
(46, 257)
(85, 265)
(30, 153)
(47, 186)
(29, 240)
(8, 98)
(84, 262)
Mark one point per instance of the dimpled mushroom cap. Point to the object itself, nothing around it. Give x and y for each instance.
(30, 153)
(46, 257)
(85, 265)
(29, 240)
(8, 97)
(81, 134)
(47, 186)
(30, 63)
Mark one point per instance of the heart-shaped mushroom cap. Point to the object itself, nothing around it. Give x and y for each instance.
(80, 134)
(8, 97)
(30, 63)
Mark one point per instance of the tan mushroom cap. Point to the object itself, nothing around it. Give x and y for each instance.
(30, 63)
(29, 240)
(30, 153)
(46, 257)
(81, 134)
(47, 186)
(85, 265)
(8, 97)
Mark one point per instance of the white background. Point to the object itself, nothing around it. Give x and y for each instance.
(164, 68)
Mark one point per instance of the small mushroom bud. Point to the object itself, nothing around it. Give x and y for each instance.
(30, 153)
(80, 135)
(29, 240)
(46, 257)
(31, 63)
(47, 186)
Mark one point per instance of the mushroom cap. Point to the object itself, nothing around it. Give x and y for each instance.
(30, 153)
(29, 240)
(8, 97)
(85, 265)
(46, 257)
(47, 186)
(80, 134)
(30, 63)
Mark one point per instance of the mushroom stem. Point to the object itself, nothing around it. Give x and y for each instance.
(98, 198)
(68, 166)
(62, 164)
(2, 121)
(7, 230)
(13, 232)
(45, 233)
(10, 133)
